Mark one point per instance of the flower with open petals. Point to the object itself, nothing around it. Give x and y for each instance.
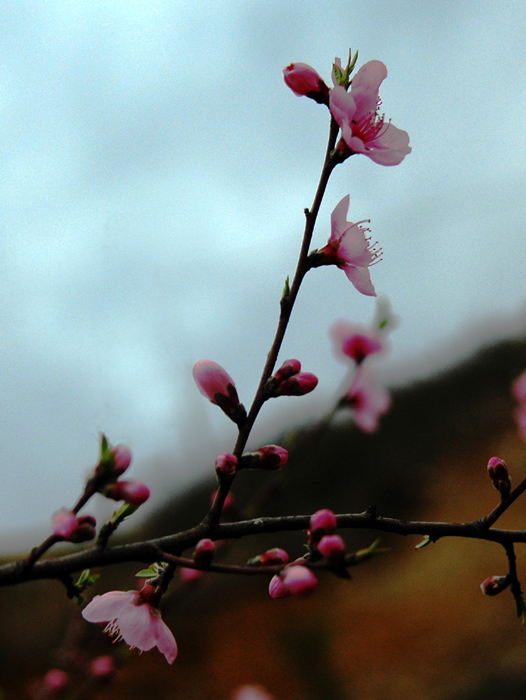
(367, 400)
(355, 341)
(363, 130)
(133, 617)
(350, 249)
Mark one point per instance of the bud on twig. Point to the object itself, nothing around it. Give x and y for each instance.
(498, 473)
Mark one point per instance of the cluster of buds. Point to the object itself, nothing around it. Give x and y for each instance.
(322, 538)
(500, 478)
(113, 463)
(289, 380)
(217, 386)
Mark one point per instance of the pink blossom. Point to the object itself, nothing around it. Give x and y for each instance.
(133, 617)
(363, 130)
(303, 80)
(251, 692)
(367, 400)
(350, 249)
(299, 580)
(355, 341)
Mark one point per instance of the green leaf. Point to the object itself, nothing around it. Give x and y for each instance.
(427, 540)
(338, 75)
(146, 573)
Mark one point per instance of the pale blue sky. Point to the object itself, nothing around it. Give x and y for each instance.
(155, 171)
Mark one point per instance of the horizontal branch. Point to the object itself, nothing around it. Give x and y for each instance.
(152, 550)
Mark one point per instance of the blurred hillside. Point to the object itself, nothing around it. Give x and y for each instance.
(409, 624)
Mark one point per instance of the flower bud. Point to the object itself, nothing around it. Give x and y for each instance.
(287, 369)
(102, 667)
(495, 585)
(218, 387)
(322, 522)
(85, 529)
(204, 552)
(123, 458)
(270, 557)
(276, 588)
(498, 473)
(68, 527)
(332, 547)
(299, 385)
(269, 458)
(305, 81)
(55, 681)
(133, 492)
(229, 506)
(299, 580)
(226, 465)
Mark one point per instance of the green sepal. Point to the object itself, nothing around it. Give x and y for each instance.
(286, 288)
(427, 540)
(371, 551)
(521, 607)
(107, 458)
(80, 599)
(153, 571)
(122, 513)
(338, 75)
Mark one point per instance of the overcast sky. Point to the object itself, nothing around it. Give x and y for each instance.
(155, 168)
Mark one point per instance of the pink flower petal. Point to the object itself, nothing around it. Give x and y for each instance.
(361, 278)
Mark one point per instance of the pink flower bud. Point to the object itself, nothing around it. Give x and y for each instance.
(287, 369)
(299, 580)
(229, 506)
(102, 667)
(218, 387)
(322, 522)
(305, 81)
(226, 465)
(55, 680)
(495, 585)
(204, 552)
(269, 458)
(270, 557)
(276, 588)
(64, 523)
(123, 458)
(297, 385)
(85, 529)
(498, 473)
(133, 492)
(332, 547)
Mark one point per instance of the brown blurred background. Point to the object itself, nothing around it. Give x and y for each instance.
(410, 624)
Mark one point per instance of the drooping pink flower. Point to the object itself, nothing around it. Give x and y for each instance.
(363, 129)
(303, 80)
(217, 386)
(350, 249)
(355, 341)
(367, 400)
(133, 617)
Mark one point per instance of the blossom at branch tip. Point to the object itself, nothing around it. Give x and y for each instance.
(217, 386)
(355, 341)
(303, 80)
(499, 475)
(226, 465)
(134, 617)
(351, 249)
(367, 400)
(363, 129)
